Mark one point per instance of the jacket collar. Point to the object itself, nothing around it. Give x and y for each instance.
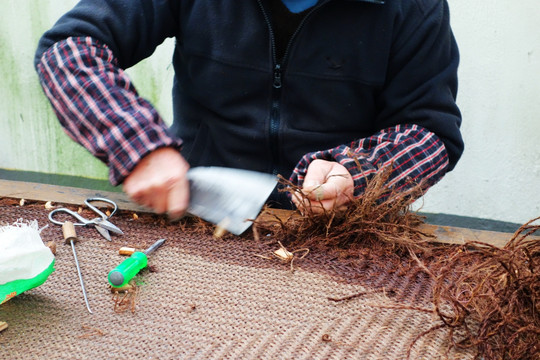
(378, 2)
(371, 1)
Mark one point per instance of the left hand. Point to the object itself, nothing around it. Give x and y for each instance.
(159, 182)
(327, 185)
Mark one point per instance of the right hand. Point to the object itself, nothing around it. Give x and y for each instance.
(327, 185)
(159, 182)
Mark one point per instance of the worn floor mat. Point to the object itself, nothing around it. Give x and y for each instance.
(215, 299)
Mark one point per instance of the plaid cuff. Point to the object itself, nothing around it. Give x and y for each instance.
(415, 154)
(99, 107)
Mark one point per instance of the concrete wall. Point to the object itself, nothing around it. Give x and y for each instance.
(498, 177)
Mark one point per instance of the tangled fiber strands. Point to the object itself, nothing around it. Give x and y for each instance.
(380, 216)
(487, 298)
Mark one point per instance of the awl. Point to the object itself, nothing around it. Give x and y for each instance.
(130, 267)
(70, 235)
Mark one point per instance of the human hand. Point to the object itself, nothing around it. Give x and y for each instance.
(159, 182)
(327, 185)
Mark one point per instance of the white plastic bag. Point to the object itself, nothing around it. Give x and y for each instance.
(25, 262)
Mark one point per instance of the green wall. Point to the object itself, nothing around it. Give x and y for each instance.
(31, 138)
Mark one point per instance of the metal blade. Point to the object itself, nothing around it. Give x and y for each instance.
(106, 224)
(104, 232)
(228, 197)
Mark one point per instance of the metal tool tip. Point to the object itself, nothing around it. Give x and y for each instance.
(154, 246)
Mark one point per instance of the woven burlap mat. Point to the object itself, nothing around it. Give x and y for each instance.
(214, 299)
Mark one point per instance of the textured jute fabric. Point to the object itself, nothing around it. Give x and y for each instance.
(214, 299)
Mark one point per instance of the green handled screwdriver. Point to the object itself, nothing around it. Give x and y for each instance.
(130, 267)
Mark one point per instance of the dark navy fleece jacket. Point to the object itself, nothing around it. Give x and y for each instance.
(353, 67)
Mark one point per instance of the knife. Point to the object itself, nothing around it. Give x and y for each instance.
(228, 197)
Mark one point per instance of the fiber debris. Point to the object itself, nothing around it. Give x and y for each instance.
(486, 298)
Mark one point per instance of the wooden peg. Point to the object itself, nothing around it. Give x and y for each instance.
(69, 232)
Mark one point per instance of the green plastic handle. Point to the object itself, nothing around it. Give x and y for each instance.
(130, 267)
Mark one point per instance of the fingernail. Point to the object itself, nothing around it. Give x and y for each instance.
(319, 193)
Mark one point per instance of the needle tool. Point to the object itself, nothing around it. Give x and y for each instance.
(70, 236)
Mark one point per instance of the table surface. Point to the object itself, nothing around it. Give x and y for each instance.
(206, 298)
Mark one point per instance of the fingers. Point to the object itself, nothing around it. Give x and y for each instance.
(320, 198)
(178, 199)
(323, 192)
(327, 185)
(316, 174)
(159, 182)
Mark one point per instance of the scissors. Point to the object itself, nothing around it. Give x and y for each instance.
(101, 223)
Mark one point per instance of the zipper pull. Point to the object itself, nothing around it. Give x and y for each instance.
(277, 76)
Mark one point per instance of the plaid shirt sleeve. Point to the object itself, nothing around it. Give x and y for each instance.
(414, 153)
(99, 107)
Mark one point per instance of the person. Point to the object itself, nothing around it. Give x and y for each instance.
(326, 92)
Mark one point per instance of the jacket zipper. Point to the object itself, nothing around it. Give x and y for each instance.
(279, 67)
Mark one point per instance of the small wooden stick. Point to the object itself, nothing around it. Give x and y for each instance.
(126, 251)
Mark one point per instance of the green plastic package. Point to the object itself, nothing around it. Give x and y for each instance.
(25, 262)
